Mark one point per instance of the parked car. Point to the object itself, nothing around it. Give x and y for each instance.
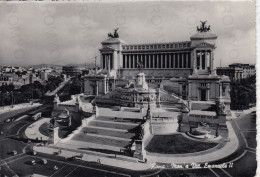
(14, 152)
(44, 161)
(8, 120)
(33, 162)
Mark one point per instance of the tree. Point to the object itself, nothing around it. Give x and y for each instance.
(243, 93)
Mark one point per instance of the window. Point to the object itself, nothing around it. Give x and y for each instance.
(223, 90)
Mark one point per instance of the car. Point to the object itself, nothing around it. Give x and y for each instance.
(33, 162)
(44, 161)
(34, 152)
(8, 120)
(14, 152)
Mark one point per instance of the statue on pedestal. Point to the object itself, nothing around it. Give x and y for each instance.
(115, 35)
(220, 107)
(203, 27)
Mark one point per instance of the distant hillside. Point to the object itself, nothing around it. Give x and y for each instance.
(44, 65)
(88, 65)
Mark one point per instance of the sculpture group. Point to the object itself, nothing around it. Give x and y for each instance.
(203, 27)
(115, 35)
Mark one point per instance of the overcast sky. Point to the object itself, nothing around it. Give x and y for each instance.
(68, 33)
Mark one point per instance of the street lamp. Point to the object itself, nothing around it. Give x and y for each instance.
(12, 99)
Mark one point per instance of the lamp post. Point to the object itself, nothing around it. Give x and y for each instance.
(12, 99)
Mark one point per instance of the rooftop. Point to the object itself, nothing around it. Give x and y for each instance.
(113, 41)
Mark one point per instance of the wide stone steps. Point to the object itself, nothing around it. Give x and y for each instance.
(106, 132)
(118, 119)
(113, 125)
(101, 140)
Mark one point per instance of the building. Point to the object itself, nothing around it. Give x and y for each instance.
(237, 71)
(66, 113)
(187, 67)
(248, 70)
(8, 78)
(71, 71)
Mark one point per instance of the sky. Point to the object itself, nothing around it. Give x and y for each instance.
(71, 33)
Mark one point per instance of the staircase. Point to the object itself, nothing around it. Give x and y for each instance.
(107, 134)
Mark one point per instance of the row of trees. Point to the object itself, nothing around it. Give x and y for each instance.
(243, 93)
(35, 90)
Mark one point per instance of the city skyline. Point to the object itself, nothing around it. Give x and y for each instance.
(45, 37)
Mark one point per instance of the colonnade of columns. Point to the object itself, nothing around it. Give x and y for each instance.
(203, 59)
(158, 60)
(107, 60)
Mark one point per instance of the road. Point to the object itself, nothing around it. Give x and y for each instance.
(243, 160)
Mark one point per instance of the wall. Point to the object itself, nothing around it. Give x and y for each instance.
(121, 114)
(161, 126)
(159, 72)
(203, 106)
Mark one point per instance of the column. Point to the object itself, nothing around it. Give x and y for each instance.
(108, 63)
(200, 59)
(206, 59)
(211, 60)
(153, 56)
(149, 59)
(105, 86)
(133, 56)
(157, 61)
(162, 61)
(187, 60)
(144, 60)
(133, 61)
(129, 61)
(182, 60)
(165, 60)
(170, 60)
(173, 60)
(138, 60)
(178, 60)
(196, 66)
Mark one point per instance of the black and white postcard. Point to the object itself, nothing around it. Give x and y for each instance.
(128, 88)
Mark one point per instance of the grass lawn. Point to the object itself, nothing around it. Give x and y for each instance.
(247, 121)
(43, 129)
(250, 138)
(176, 144)
(8, 145)
(246, 166)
